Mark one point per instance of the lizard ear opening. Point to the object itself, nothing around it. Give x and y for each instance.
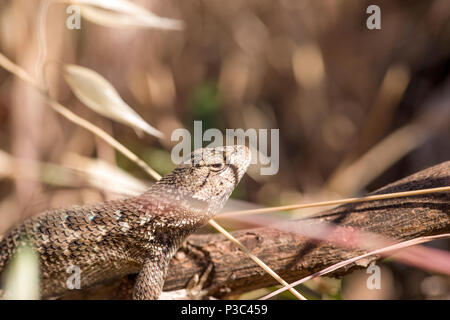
(219, 166)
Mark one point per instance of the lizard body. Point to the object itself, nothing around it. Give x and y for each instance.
(133, 235)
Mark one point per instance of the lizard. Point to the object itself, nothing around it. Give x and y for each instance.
(135, 235)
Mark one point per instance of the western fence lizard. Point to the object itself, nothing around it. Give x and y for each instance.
(133, 235)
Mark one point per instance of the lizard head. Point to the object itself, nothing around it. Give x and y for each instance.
(207, 178)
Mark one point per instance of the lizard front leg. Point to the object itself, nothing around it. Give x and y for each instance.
(150, 281)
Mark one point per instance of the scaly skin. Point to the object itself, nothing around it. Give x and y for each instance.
(133, 235)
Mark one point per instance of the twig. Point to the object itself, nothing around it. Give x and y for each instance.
(336, 202)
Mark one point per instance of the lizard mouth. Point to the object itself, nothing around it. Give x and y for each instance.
(244, 155)
(237, 158)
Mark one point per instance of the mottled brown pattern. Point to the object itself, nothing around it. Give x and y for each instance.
(134, 235)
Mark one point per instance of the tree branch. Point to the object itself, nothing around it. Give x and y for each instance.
(294, 256)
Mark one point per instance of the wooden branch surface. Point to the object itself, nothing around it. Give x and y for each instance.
(293, 256)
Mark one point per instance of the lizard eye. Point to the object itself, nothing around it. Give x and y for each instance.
(217, 166)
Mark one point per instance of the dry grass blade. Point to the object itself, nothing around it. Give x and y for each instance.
(255, 258)
(119, 13)
(379, 158)
(337, 202)
(14, 168)
(99, 95)
(99, 174)
(383, 251)
(104, 176)
(356, 239)
(22, 74)
(357, 175)
(103, 135)
(22, 275)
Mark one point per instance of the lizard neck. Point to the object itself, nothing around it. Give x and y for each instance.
(182, 205)
(201, 208)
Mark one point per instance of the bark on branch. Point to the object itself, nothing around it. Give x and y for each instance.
(294, 256)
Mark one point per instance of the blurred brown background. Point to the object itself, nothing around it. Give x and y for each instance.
(356, 108)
